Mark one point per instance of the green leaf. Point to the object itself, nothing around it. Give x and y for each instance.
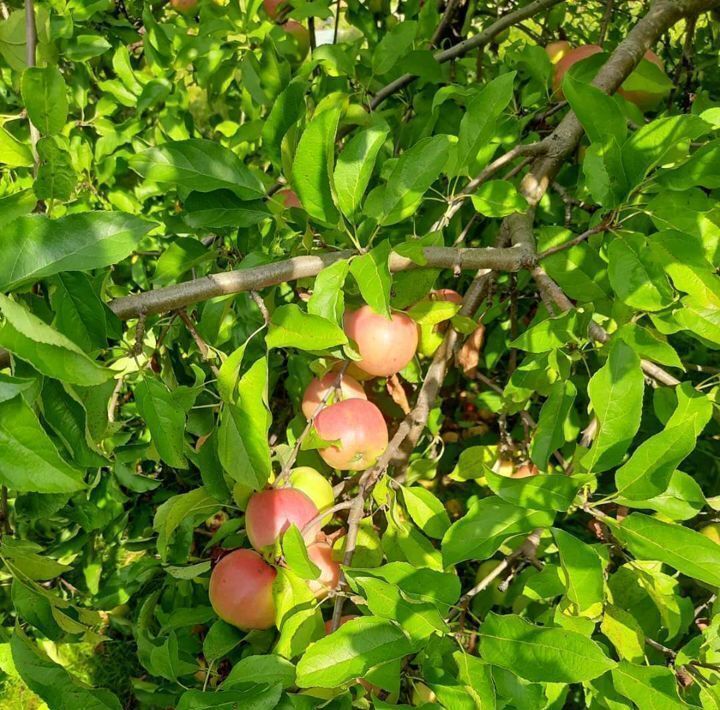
(648, 344)
(13, 386)
(394, 44)
(47, 350)
(200, 165)
(371, 272)
(35, 247)
(164, 419)
(243, 434)
(328, 297)
(648, 471)
(550, 433)
(635, 277)
(57, 687)
(419, 619)
(29, 461)
(287, 110)
(176, 510)
(269, 669)
(648, 686)
(583, 571)
(351, 651)
(313, 166)
(498, 198)
(549, 334)
(427, 511)
(700, 169)
(616, 393)
(414, 172)
(44, 95)
(487, 525)
(253, 697)
(292, 328)
(692, 405)
(681, 500)
(545, 655)
(56, 177)
(296, 554)
(223, 208)
(599, 114)
(355, 167)
(624, 632)
(220, 639)
(79, 313)
(13, 153)
(546, 491)
(685, 550)
(700, 318)
(480, 120)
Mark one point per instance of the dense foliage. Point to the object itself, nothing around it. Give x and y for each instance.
(541, 530)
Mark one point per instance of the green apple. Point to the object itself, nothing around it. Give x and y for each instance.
(315, 486)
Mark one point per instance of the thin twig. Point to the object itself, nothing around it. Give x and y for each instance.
(605, 22)
(324, 513)
(30, 52)
(573, 242)
(444, 23)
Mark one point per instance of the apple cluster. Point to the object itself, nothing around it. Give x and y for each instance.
(355, 435)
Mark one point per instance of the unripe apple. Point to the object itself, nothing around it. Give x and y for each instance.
(184, 7)
(711, 532)
(321, 554)
(241, 590)
(644, 100)
(385, 345)
(557, 50)
(299, 39)
(270, 513)
(288, 198)
(431, 336)
(316, 391)
(360, 430)
(274, 7)
(573, 56)
(315, 486)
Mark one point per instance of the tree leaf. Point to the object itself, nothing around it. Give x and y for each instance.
(313, 166)
(79, 313)
(685, 550)
(175, 510)
(487, 525)
(296, 554)
(427, 511)
(223, 208)
(13, 153)
(498, 198)
(164, 419)
(351, 651)
(616, 393)
(292, 328)
(546, 491)
(393, 45)
(549, 435)
(29, 461)
(545, 655)
(648, 471)
(371, 272)
(328, 297)
(56, 177)
(44, 95)
(701, 169)
(599, 114)
(287, 109)
(47, 350)
(200, 165)
(354, 168)
(584, 572)
(35, 247)
(648, 686)
(625, 633)
(269, 669)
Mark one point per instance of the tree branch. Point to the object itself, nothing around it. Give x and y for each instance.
(30, 52)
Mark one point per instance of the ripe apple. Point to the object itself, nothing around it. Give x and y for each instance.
(360, 430)
(644, 100)
(557, 50)
(315, 486)
(316, 391)
(274, 7)
(321, 554)
(241, 590)
(184, 7)
(711, 532)
(288, 198)
(385, 345)
(299, 40)
(271, 512)
(432, 335)
(571, 57)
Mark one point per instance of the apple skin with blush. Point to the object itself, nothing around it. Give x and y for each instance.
(317, 390)
(271, 512)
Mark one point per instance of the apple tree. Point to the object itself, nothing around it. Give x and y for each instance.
(359, 353)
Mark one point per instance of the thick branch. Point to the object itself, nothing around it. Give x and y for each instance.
(476, 42)
(184, 294)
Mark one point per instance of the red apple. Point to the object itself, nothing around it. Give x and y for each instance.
(350, 388)
(241, 590)
(270, 513)
(321, 554)
(274, 7)
(385, 345)
(184, 7)
(359, 428)
(572, 57)
(557, 50)
(288, 198)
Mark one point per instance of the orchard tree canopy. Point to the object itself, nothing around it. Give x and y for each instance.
(359, 353)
